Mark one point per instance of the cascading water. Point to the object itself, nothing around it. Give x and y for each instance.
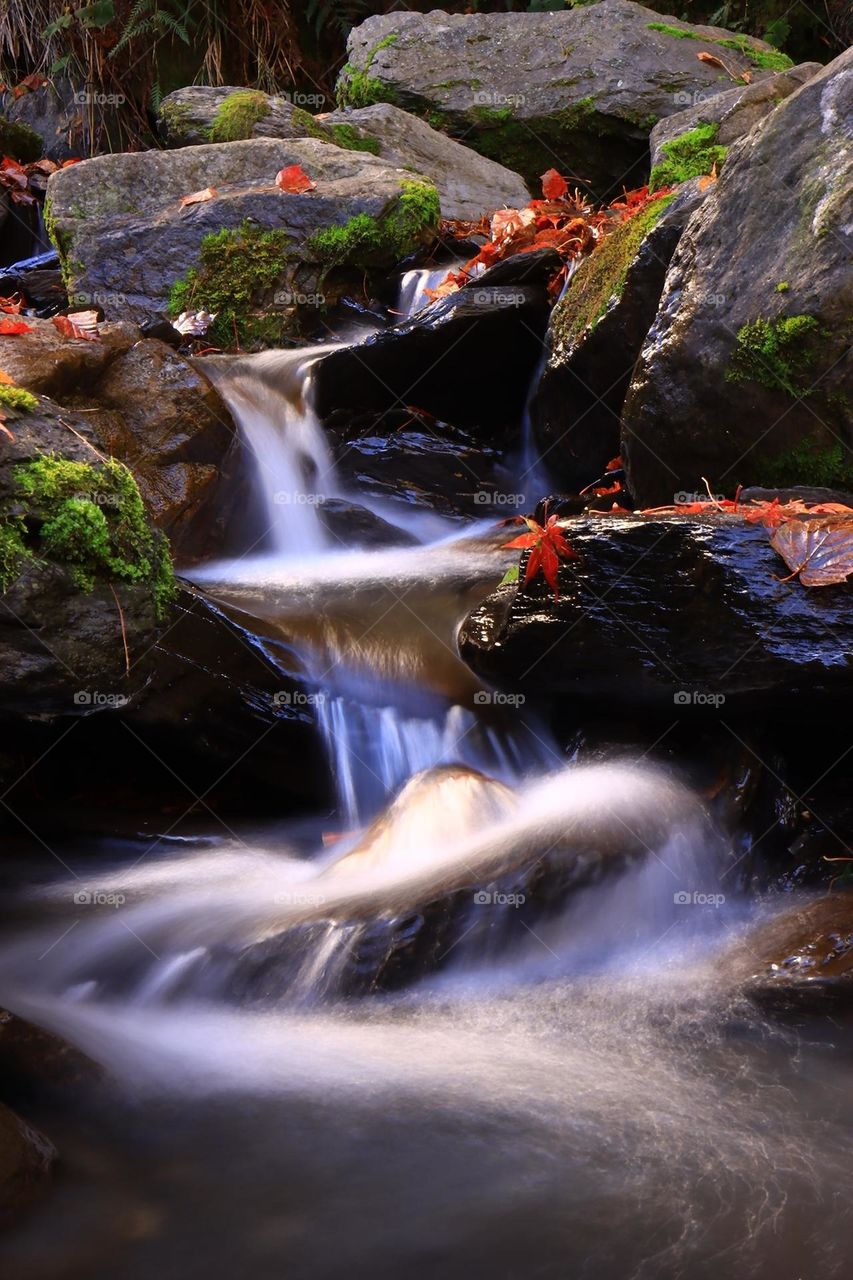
(415, 284)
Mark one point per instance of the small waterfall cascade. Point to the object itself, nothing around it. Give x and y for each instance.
(413, 296)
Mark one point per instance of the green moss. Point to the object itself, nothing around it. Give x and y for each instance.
(348, 137)
(357, 88)
(13, 551)
(19, 141)
(601, 277)
(91, 519)
(778, 354)
(532, 146)
(18, 400)
(177, 117)
(764, 59)
(782, 286)
(810, 463)
(689, 155)
(237, 116)
(235, 270)
(364, 241)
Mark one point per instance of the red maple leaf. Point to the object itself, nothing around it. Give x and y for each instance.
(294, 180)
(10, 327)
(554, 187)
(547, 545)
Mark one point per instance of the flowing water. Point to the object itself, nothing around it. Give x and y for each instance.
(465, 1024)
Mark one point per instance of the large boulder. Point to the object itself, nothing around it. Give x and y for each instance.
(469, 184)
(578, 90)
(595, 334)
(199, 113)
(746, 376)
(252, 253)
(26, 1161)
(682, 616)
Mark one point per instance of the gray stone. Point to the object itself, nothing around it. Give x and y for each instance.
(188, 116)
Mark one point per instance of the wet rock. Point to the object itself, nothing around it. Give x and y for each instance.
(801, 958)
(594, 338)
(38, 280)
(53, 114)
(44, 362)
(26, 1161)
(126, 239)
(578, 90)
(683, 616)
(746, 375)
(35, 1063)
(469, 185)
(198, 114)
(736, 111)
(435, 359)
(356, 526)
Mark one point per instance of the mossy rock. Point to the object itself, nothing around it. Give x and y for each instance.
(20, 141)
(690, 155)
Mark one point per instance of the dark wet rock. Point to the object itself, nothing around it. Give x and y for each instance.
(38, 280)
(735, 110)
(44, 362)
(199, 114)
(683, 616)
(35, 1063)
(126, 240)
(813, 495)
(52, 112)
(595, 335)
(469, 185)
(437, 360)
(356, 526)
(442, 468)
(746, 375)
(26, 1161)
(578, 90)
(801, 958)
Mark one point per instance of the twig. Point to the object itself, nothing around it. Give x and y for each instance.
(123, 630)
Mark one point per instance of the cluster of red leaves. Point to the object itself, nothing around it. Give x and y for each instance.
(547, 545)
(22, 181)
(29, 84)
(563, 220)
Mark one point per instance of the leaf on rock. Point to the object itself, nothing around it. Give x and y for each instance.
(711, 59)
(9, 328)
(819, 550)
(199, 197)
(547, 545)
(294, 180)
(80, 324)
(12, 306)
(554, 186)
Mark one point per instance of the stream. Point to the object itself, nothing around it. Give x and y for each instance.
(300, 1085)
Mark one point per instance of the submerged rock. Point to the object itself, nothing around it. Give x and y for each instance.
(685, 616)
(746, 376)
(578, 90)
(801, 958)
(35, 1063)
(26, 1161)
(469, 185)
(255, 255)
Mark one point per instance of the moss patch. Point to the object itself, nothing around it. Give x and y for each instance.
(19, 141)
(91, 519)
(778, 354)
(236, 269)
(357, 88)
(689, 155)
(348, 137)
(809, 463)
(601, 277)
(237, 116)
(364, 241)
(764, 59)
(17, 399)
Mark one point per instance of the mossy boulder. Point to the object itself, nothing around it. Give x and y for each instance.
(198, 114)
(256, 255)
(579, 90)
(19, 141)
(746, 376)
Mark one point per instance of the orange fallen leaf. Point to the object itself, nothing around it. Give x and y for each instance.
(705, 182)
(198, 197)
(294, 180)
(820, 551)
(12, 306)
(554, 186)
(9, 328)
(5, 380)
(80, 324)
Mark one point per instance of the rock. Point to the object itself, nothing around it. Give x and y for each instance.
(595, 335)
(35, 1063)
(199, 114)
(801, 958)
(436, 358)
(676, 615)
(38, 280)
(253, 254)
(735, 111)
(578, 90)
(356, 526)
(469, 185)
(54, 114)
(26, 1161)
(746, 376)
(50, 365)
